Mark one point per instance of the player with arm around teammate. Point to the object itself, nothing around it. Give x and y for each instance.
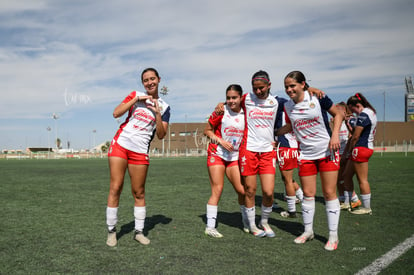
(362, 147)
(318, 148)
(225, 132)
(148, 115)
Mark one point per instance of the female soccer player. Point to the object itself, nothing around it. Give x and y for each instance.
(362, 147)
(256, 154)
(307, 116)
(225, 132)
(148, 114)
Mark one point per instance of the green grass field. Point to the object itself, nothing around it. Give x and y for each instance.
(53, 221)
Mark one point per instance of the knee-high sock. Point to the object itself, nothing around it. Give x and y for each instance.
(139, 214)
(266, 210)
(291, 203)
(251, 216)
(308, 211)
(333, 212)
(366, 200)
(111, 217)
(211, 215)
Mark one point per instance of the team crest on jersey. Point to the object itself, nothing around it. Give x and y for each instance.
(312, 105)
(212, 159)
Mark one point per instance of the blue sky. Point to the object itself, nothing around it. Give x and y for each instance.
(79, 59)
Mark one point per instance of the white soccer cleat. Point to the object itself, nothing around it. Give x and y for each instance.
(139, 237)
(331, 245)
(268, 231)
(212, 232)
(111, 239)
(361, 211)
(306, 236)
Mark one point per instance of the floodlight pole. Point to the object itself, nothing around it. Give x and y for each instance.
(48, 141)
(55, 117)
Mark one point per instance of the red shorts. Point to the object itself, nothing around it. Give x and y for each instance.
(287, 158)
(361, 154)
(133, 158)
(216, 160)
(311, 167)
(253, 163)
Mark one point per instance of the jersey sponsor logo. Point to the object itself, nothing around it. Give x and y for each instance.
(233, 131)
(302, 124)
(260, 114)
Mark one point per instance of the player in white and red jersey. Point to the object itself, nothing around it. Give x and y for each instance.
(225, 132)
(256, 154)
(307, 116)
(287, 159)
(362, 146)
(147, 115)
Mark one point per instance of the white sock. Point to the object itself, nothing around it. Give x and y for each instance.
(265, 214)
(355, 198)
(332, 212)
(211, 215)
(347, 195)
(308, 211)
(291, 203)
(299, 194)
(366, 200)
(140, 213)
(111, 217)
(251, 216)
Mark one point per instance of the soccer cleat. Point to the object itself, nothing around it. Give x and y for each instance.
(267, 230)
(356, 204)
(111, 239)
(257, 232)
(212, 232)
(139, 237)
(286, 214)
(344, 206)
(306, 236)
(331, 246)
(361, 211)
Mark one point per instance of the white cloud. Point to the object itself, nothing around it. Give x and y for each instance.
(93, 53)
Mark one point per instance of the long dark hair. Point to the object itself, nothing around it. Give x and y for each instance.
(298, 76)
(359, 98)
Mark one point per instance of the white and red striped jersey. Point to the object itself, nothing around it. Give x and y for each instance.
(136, 133)
(230, 127)
(309, 120)
(260, 116)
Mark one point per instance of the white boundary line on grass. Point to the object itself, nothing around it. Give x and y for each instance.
(381, 263)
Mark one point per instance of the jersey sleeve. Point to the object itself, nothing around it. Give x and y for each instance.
(325, 102)
(166, 115)
(131, 96)
(363, 120)
(287, 119)
(215, 120)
